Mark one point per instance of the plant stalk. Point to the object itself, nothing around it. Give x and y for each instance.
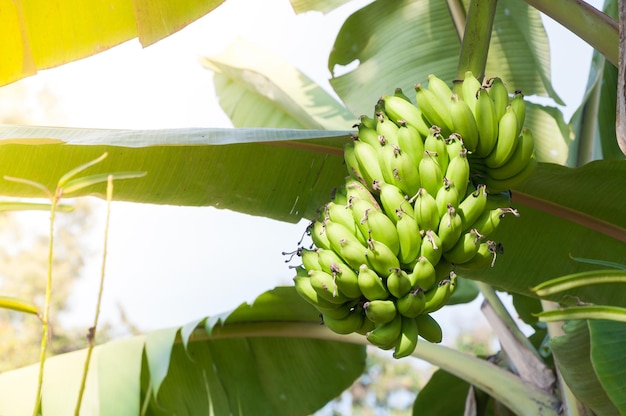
(620, 117)
(521, 398)
(590, 24)
(476, 38)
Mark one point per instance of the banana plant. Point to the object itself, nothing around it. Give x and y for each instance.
(273, 356)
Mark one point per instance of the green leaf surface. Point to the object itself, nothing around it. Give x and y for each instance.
(257, 88)
(564, 212)
(324, 6)
(607, 356)
(572, 352)
(444, 394)
(466, 291)
(399, 46)
(237, 169)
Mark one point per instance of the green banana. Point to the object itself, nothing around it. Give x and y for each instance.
(408, 338)
(385, 336)
(436, 111)
(365, 327)
(325, 286)
(398, 282)
(310, 259)
(340, 312)
(489, 220)
(498, 200)
(352, 164)
(367, 157)
(380, 311)
(454, 145)
(380, 257)
(345, 244)
(435, 144)
(473, 206)
(465, 248)
(519, 106)
(496, 185)
(437, 297)
(345, 277)
(411, 304)
(425, 210)
(459, 172)
(374, 224)
(398, 169)
(484, 257)
(487, 123)
(500, 96)
(464, 122)
(470, 88)
(431, 175)
(424, 275)
(408, 236)
(343, 215)
(399, 93)
(305, 290)
(386, 128)
(371, 285)
(346, 325)
(398, 108)
(429, 328)
(368, 135)
(520, 157)
(393, 200)
(439, 87)
(411, 142)
(356, 190)
(366, 121)
(431, 247)
(450, 228)
(448, 194)
(507, 140)
(317, 232)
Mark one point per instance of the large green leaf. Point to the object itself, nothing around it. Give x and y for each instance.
(572, 352)
(399, 46)
(257, 88)
(444, 394)
(564, 212)
(40, 34)
(236, 373)
(607, 357)
(237, 169)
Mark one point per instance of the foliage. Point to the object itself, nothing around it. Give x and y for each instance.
(273, 356)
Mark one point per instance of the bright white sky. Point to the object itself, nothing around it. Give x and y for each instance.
(170, 265)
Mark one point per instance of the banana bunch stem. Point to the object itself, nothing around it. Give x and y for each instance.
(507, 388)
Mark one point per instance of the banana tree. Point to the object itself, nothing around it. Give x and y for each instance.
(273, 356)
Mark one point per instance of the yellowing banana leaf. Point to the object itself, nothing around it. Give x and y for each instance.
(163, 374)
(399, 46)
(41, 34)
(325, 6)
(267, 172)
(257, 88)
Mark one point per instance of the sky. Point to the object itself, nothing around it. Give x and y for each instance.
(170, 265)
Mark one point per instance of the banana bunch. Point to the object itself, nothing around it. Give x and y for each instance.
(426, 190)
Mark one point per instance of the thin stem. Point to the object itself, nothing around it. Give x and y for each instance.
(45, 320)
(92, 331)
(502, 385)
(590, 24)
(476, 38)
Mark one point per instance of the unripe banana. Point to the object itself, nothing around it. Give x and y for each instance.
(406, 172)
(366, 121)
(352, 164)
(343, 215)
(465, 248)
(487, 223)
(430, 173)
(437, 297)
(385, 336)
(439, 87)
(386, 128)
(459, 172)
(487, 123)
(368, 135)
(345, 277)
(317, 232)
(393, 200)
(454, 145)
(411, 142)
(436, 111)
(325, 286)
(398, 283)
(369, 167)
(500, 185)
(470, 88)
(425, 210)
(472, 207)
(411, 304)
(371, 285)
(520, 158)
(435, 144)
(409, 237)
(498, 200)
(429, 328)
(485, 257)
(450, 228)
(500, 96)
(380, 311)
(340, 312)
(374, 224)
(465, 122)
(399, 109)
(365, 327)
(431, 247)
(507, 140)
(424, 275)
(356, 190)
(399, 93)
(447, 195)
(346, 325)
(305, 290)
(408, 338)
(310, 259)
(345, 244)
(519, 106)
(380, 257)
